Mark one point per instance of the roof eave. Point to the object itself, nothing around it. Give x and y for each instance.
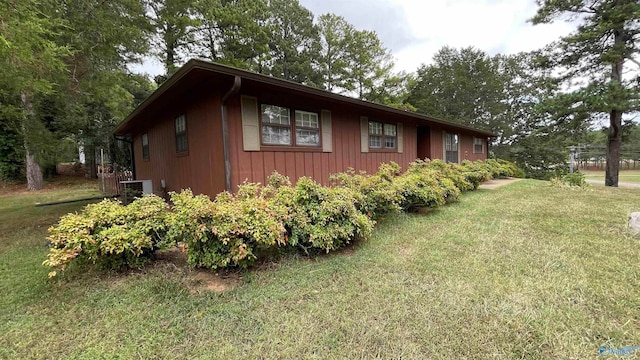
(172, 80)
(205, 65)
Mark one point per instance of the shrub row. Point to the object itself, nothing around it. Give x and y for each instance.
(109, 234)
(234, 229)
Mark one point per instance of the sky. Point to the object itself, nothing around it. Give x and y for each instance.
(415, 30)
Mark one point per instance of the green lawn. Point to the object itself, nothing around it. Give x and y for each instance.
(524, 271)
(627, 176)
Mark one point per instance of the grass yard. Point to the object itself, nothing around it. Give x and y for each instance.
(626, 176)
(524, 271)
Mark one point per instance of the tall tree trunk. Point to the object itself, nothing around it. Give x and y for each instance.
(613, 148)
(170, 58)
(615, 123)
(35, 179)
(91, 168)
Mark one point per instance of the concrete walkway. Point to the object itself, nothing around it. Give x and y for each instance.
(496, 183)
(620, 184)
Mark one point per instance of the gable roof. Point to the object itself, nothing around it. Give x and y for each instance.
(198, 69)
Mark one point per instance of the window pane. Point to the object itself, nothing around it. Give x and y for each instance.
(145, 146)
(390, 142)
(181, 142)
(181, 124)
(375, 141)
(307, 119)
(276, 135)
(451, 142)
(478, 145)
(375, 128)
(181, 133)
(307, 137)
(451, 156)
(390, 129)
(272, 114)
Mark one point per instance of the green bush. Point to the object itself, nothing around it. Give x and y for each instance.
(109, 234)
(454, 172)
(375, 195)
(235, 229)
(322, 218)
(420, 186)
(575, 179)
(475, 172)
(547, 173)
(498, 169)
(228, 231)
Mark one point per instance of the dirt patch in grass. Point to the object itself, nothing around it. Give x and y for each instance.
(405, 251)
(205, 280)
(496, 183)
(198, 280)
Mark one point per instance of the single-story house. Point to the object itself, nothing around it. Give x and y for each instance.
(210, 127)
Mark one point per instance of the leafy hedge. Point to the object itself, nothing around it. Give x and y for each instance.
(109, 234)
(234, 229)
(376, 194)
(227, 231)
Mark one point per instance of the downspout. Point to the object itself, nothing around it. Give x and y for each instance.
(225, 132)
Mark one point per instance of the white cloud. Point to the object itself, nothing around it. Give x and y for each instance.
(489, 25)
(415, 30)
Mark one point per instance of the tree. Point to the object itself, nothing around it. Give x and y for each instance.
(336, 36)
(369, 62)
(592, 59)
(175, 27)
(392, 91)
(105, 36)
(233, 32)
(62, 60)
(293, 43)
(32, 62)
(464, 86)
(505, 94)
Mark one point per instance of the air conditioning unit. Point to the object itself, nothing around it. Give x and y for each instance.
(136, 188)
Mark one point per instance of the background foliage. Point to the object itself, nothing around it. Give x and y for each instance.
(67, 78)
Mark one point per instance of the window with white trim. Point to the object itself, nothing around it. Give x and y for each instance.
(276, 125)
(382, 135)
(278, 129)
(307, 128)
(451, 147)
(478, 145)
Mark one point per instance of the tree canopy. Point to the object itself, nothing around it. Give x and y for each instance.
(592, 59)
(66, 80)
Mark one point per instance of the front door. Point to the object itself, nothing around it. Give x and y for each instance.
(424, 143)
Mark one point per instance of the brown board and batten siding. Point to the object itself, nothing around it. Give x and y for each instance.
(196, 91)
(344, 152)
(201, 168)
(465, 147)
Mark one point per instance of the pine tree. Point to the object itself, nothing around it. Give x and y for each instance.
(593, 58)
